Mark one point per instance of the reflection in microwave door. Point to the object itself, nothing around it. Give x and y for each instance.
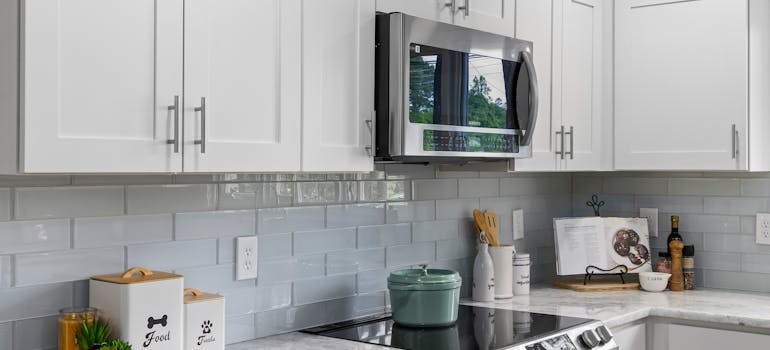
(561, 342)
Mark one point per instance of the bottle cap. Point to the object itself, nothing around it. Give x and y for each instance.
(688, 250)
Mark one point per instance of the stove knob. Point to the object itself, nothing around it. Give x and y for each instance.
(589, 339)
(604, 334)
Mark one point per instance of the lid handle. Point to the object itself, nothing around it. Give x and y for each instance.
(424, 269)
(193, 291)
(130, 272)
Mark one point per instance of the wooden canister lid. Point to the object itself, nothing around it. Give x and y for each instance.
(192, 295)
(136, 275)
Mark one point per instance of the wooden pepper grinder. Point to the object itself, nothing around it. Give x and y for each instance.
(677, 277)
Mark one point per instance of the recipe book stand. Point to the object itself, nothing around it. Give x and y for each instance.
(591, 270)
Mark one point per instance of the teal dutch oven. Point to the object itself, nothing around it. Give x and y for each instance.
(424, 297)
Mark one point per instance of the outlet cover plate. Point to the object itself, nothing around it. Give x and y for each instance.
(246, 258)
(518, 224)
(763, 228)
(652, 219)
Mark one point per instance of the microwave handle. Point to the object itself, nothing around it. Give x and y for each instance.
(533, 98)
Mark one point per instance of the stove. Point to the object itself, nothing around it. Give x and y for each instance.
(479, 328)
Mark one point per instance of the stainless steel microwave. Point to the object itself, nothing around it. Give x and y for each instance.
(445, 93)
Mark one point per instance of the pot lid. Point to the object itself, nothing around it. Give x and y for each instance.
(424, 276)
(136, 275)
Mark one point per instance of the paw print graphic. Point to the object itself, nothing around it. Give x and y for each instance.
(207, 327)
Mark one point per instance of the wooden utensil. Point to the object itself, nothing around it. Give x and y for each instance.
(493, 228)
(481, 223)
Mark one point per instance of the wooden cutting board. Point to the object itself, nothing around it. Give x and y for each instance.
(596, 284)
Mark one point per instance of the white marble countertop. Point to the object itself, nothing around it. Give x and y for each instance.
(613, 308)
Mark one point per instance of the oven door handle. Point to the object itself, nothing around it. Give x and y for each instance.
(533, 98)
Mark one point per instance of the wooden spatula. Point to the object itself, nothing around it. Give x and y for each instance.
(481, 221)
(493, 228)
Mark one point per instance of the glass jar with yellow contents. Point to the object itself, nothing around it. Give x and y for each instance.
(70, 322)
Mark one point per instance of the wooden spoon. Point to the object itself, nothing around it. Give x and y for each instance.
(493, 228)
(481, 222)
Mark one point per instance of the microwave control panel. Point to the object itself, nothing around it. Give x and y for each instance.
(461, 141)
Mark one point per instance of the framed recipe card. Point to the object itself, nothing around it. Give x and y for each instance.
(601, 242)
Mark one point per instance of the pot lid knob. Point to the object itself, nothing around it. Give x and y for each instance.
(424, 269)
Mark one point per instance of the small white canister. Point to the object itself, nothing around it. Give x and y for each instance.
(143, 307)
(501, 259)
(521, 265)
(204, 320)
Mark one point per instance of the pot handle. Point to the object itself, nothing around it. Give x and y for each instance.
(193, 291)
(130, 272)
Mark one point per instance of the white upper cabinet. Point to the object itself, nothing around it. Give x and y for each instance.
(338, 85)
(98, 79)
(494, 16)
(569, 47)
(577, 82)
(242, 85)
(682, 84)
(534, 23)
(437, 10)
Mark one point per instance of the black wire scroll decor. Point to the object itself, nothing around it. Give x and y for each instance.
(591, 270)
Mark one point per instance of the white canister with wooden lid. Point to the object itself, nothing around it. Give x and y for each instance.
(143, 307)
(204, 320)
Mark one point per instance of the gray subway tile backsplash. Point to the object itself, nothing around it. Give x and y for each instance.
(5, 204)
(313, 242)
(325, 288)
(173, 255)
(63, 202)
(34, 301)
(67, 265)
(215, 224)
(6, 336)
(278, 220)
(152, 199)
(327, 242)
(122, 230)
(36, 333)
(34, 236)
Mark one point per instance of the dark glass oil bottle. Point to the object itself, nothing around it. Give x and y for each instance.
(674, 235)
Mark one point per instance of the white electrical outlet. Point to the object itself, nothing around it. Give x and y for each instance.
(652, 219)
(246, 258)
(763, 228)
(518, 224)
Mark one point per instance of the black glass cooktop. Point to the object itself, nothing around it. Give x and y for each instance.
(476, 328)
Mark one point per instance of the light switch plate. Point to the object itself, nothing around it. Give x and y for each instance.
(246, 258)
(763, 228)
(518, 224)
(652, 219)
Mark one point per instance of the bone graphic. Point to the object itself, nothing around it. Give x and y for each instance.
(151, 322)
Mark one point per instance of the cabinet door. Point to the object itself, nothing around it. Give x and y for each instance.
(632, 337)
(534, 23)
(681, 84)
(578, 81)
(98, 79)
(242, 85)
(494, 16)
(437, 10)
(337, 85)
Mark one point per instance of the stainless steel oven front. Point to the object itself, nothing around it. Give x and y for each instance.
(446, 93)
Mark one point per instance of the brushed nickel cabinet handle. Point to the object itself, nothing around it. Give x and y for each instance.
(560, 150)
(202, 110)
(466, 9)
(175, 140)
(735, 142)
(571, 134)
(370, 125)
